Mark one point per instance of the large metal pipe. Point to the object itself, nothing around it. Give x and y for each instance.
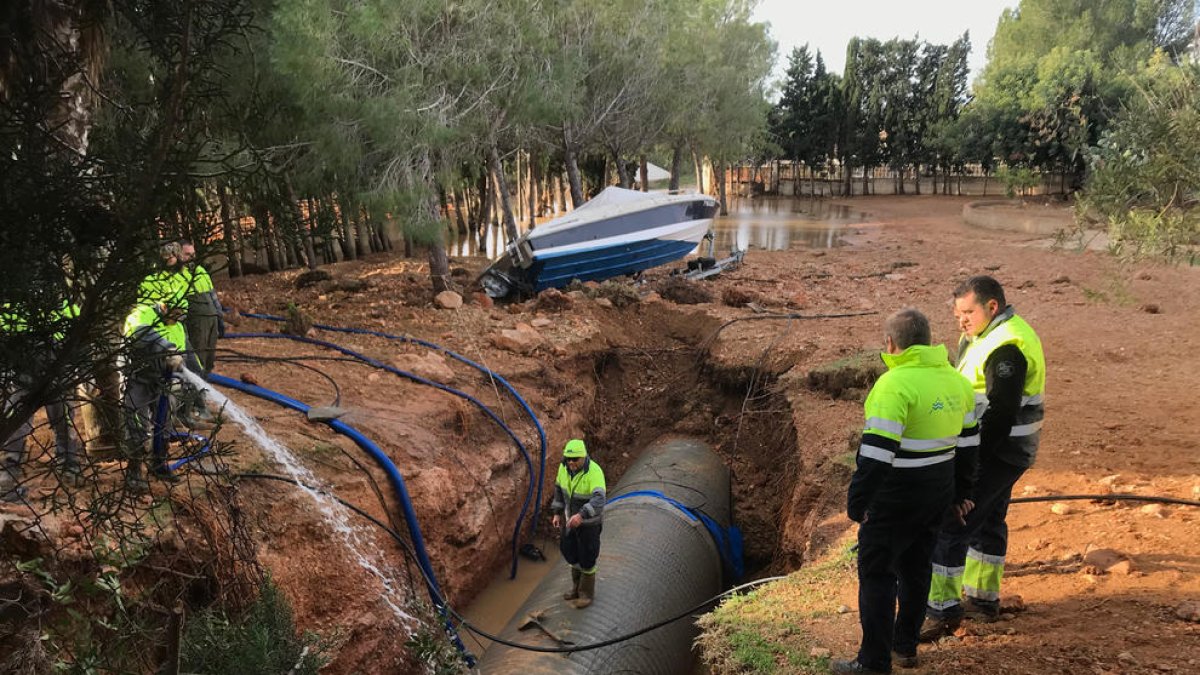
(655, 562)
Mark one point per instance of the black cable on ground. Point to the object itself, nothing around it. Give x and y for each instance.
(1106, 498)
(478, 631)
(764, 317)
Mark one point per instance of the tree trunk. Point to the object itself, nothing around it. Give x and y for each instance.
(362, 242)
(676, 162)
(645, 173)
(719, 172)
(305, 226)
(699, 170)
(533, 190)
(227, 230)
(346, 241)
(510, 222)
(572, 163)
(458, 213)
(916, 179)
(866, 179)
(985, 182)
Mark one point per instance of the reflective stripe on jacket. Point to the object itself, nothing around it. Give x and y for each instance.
(916, 410)
(582, 492)
(1009, 329)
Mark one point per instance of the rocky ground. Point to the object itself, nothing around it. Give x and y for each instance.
(780, 398)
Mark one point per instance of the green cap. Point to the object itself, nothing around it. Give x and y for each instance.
(575, 448)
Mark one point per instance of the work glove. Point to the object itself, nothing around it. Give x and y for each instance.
(174, 362)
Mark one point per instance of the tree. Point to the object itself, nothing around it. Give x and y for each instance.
(1144, 171)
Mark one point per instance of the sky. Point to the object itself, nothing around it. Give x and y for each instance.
(828, 25)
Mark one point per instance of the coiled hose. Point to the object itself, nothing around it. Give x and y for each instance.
(529, 493)
(493, 375)
(410, 516)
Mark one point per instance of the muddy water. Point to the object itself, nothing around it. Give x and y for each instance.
(776, 223)
(766, 223)
(496, 604)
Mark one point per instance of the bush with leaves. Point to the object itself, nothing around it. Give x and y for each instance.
(261, 640)
(1145, 171)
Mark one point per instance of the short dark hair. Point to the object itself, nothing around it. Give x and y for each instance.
(908, 327)
(984, 287)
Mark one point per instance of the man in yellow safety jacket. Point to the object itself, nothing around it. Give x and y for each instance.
(578, 507)
(1002, 356)
(157, 347)
(204, 316)
(59, 411)
(913, 465)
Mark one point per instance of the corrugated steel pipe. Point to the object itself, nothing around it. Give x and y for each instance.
(655, 561)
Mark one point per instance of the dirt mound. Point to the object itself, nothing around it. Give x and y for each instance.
(683, 292)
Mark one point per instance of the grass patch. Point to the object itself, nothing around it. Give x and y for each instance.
(763, 632)
(262, 640)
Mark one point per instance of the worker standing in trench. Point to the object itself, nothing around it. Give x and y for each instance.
(1002, 356)
(579, 494)
(914, 465)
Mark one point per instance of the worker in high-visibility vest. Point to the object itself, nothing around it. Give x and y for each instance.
(59, 413)
(204, 320)
(914, 464)
(578, 507)
(1002, 356)
(157, 346)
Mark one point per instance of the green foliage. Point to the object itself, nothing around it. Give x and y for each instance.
(1145, 170)
(1056, 70)
(262, 640)
(93, 625)
(1017, 181)
(431, 648)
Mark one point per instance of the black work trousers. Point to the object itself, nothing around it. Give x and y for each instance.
(580, 547)
(895, 546)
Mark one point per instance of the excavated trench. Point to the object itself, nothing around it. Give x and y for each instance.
(642, 395)
(658, 381)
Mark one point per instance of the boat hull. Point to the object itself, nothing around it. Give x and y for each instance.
(614, 244)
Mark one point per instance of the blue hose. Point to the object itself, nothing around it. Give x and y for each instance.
(728, 540)
(437, 385)
(389, 467)
(541, 479)
(162, 437)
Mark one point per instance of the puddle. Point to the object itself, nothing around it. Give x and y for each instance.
(764, 223)
(776, 223)
(492, 609)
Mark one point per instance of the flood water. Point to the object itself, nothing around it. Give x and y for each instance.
(762, 223)
(776, 223)
(491, 610)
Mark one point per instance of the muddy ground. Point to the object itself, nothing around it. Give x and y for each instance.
(771, 395)
(1123, 366)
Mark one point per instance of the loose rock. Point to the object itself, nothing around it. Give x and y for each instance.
(483, 300)
(1150, 308)
(819, 653)
(430, 366)
(311, 277)
(1189, 611)
(448, 300)
(1060, 508)
(1061, 279)
(1153, 510)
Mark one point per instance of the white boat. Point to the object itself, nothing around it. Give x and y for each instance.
(618, 232)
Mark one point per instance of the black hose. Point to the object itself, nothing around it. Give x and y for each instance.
(1106, 498)
(762, 317)
(478, 631)
(629, 636)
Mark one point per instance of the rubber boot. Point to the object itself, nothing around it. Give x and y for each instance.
(587, 591)
(574, 592)
(135, 480)
(11, 491)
